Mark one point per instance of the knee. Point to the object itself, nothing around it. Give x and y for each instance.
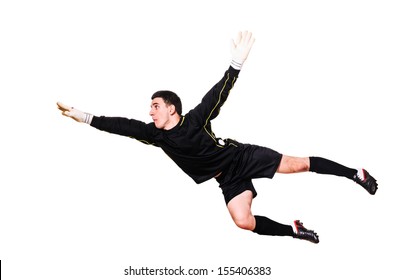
(294, 164)
(303, 165)
(246, 222)
(299, 165)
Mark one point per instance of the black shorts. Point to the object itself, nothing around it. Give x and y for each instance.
(249, 162)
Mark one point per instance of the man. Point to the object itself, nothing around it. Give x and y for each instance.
(190, 142)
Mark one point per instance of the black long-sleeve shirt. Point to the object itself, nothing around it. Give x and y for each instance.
(191, 144)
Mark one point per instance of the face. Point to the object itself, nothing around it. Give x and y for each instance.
(160, 112)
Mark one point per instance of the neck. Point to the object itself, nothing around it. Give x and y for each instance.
(173, 121)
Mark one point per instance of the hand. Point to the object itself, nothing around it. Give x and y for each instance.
(75, 114)
(241, 48)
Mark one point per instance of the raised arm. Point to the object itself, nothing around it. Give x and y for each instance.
(211, 103)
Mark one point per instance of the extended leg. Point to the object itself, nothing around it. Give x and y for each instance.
(324, 166)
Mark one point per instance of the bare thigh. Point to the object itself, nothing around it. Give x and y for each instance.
(290, 164)
(240, 209)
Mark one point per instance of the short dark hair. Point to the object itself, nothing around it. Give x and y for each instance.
(170, 98)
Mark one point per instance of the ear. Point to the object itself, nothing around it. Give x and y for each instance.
(172, 109)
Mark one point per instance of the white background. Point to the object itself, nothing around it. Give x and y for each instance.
(78, 203)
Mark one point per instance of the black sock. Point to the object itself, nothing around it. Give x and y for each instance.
(325, 166)
(265, 226)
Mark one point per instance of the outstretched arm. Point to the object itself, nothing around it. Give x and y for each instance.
(117, 125)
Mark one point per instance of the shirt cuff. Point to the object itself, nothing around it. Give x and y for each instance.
(236, 65)
(88, 118)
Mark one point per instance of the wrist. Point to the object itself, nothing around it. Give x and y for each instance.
(87, 118)
(236, 65)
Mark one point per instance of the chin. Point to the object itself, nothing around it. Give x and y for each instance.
(158, 125)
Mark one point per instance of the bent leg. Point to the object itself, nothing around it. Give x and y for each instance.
(240, 209)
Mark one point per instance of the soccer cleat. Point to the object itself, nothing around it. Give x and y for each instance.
(367, 181)
(301, 232)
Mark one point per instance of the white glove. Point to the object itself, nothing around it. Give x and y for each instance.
(75, 114)
(241, 48)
